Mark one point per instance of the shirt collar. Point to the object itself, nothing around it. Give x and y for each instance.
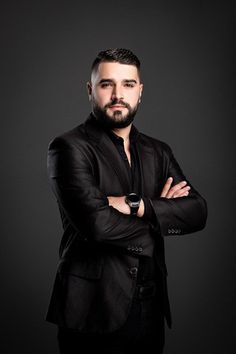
(119, 140)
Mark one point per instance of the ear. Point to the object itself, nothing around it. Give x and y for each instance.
(89, 89)
(140, 92)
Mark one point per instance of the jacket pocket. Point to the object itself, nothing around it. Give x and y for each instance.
(88, 269)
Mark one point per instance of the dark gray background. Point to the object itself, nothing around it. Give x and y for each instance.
(187, 50)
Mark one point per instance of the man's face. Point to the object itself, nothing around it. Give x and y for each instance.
(115, 91)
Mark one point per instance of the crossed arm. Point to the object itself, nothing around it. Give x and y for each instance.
(89, 210)
(181, 189)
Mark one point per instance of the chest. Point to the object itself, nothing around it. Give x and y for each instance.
(139, 170)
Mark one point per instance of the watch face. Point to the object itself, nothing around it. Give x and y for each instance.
(133, 198)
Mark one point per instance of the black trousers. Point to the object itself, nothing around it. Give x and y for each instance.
(143, 331)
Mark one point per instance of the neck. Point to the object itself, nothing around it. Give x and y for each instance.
(123, 132)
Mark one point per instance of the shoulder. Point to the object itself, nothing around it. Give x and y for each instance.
(67, 149)
(71, 138)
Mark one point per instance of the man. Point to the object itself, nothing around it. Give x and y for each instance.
(119, 193)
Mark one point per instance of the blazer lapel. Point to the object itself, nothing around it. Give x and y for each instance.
(147, 167)
(145, 154)
(107, 148)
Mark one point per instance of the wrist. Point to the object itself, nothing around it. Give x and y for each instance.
(141, 209)
(133, 200)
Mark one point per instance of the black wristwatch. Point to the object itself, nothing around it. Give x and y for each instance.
(133, 200)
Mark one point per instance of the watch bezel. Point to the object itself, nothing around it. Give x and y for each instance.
(134, 203)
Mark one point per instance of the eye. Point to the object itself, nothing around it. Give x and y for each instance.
(106, 84)
(129, 85)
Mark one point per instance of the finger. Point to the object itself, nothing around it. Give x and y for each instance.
(166, 187)
(184, 192)
(174, 190)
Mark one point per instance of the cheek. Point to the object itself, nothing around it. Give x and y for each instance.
(102, 97)
(133, 99)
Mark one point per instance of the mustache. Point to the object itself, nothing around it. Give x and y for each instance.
(116, 101)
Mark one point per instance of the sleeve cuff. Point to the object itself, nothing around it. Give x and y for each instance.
(149, 213)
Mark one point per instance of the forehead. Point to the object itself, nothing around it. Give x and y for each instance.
(116, 72)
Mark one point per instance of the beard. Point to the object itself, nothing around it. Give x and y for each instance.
(117, 120)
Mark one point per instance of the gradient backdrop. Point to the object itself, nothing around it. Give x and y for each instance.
(187, 50)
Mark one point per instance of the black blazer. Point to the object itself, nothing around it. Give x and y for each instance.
(101, 247)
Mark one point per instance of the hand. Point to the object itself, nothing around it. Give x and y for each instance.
(181, 189)
(119, 204)
(141, 209)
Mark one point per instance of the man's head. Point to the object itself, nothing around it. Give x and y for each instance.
(115, 89)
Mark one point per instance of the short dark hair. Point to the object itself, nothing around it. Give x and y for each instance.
(118, 55)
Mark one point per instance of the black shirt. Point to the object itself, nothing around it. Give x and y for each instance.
(147, 265)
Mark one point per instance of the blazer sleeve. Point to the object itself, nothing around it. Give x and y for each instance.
(71, 175)
(183, 215)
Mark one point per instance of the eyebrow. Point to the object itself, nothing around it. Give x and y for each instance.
(110, 80)
(134, 81)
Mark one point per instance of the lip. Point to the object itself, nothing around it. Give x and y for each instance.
(116, 106)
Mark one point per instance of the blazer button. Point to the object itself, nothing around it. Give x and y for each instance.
(133, 271)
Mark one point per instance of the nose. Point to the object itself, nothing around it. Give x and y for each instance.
(117, 93)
